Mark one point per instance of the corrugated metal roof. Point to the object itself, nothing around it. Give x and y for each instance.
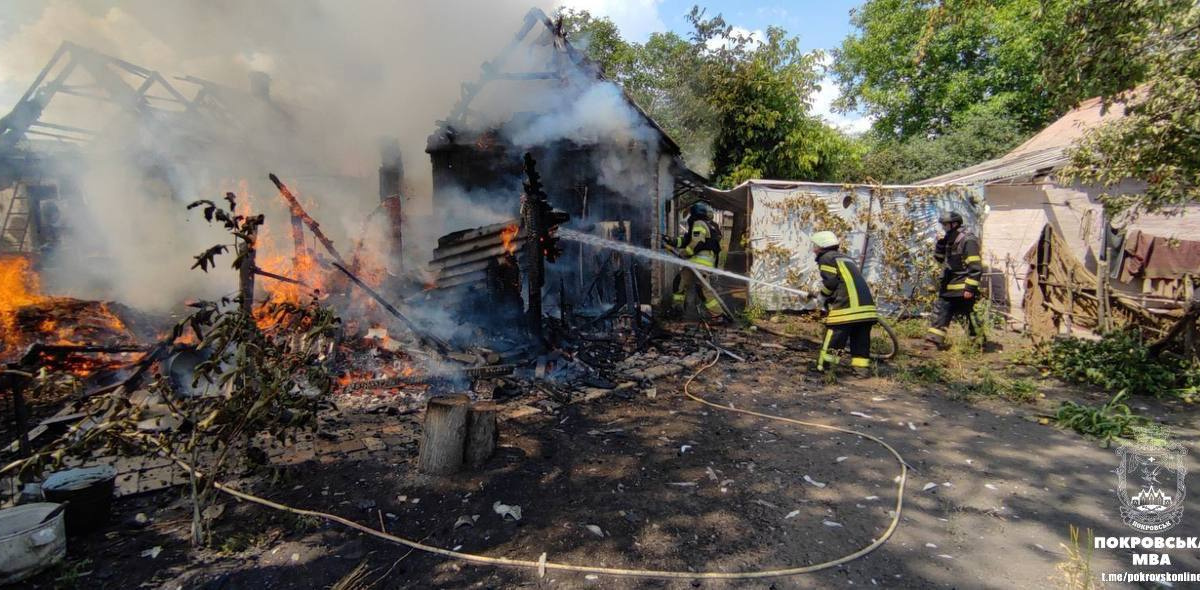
(1008, 167)
(1041, 153)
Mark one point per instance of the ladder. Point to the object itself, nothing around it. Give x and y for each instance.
(16, 222)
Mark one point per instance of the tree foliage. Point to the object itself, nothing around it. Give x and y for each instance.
(1146, 53)
(976, 135)
(760, 92)
(915, 66)
(600, 39)
(739, 107)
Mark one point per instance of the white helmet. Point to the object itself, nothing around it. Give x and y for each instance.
(824, 239)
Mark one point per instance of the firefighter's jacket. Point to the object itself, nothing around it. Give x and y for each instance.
(962, 267)
(701, 243)
(846, 292)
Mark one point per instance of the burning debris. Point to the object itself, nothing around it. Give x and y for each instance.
(300, 332)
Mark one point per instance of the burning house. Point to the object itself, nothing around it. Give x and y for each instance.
(603, 161)
(98, 148)
(542, 141)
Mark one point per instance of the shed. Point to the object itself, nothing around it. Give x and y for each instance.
(1024, 195)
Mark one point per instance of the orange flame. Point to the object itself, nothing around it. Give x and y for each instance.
(18, 287)
(508, 237)
(90, 322)
(281, 260)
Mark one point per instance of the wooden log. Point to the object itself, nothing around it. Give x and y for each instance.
(481, 433)
(445, 434)
(1186, 325)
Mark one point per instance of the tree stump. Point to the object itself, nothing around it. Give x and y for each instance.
(445, 434)
(481, 433)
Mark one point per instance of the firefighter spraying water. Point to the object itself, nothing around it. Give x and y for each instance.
(661, 256)
(700, 245)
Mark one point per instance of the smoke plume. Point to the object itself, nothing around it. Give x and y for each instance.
(343, 74)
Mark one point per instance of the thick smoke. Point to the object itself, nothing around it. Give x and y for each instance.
(342, 76)
(599, 113)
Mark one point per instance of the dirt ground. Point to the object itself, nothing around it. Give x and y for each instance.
(643, 477)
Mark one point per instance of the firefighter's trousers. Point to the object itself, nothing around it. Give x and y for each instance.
(687, 281)
(945, 311)
(857, 335)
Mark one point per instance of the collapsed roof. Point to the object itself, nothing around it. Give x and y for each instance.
(81, 95)
(560, 68)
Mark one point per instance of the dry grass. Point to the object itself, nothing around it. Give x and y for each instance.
(1075, 572)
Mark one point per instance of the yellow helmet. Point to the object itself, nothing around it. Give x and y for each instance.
(824, 239)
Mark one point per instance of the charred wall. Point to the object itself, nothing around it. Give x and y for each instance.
(597, 184)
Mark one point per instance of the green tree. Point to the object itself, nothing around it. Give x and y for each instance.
(916, 65)
(1146, 56)
(975, 136)
(760, 95)
(662, 79)
(739, 108)
(599, 39)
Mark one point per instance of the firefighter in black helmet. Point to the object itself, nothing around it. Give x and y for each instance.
(962, 267)
(700, 245)
(850, 303)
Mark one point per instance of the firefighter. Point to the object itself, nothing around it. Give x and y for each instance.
(962, 267)
(849, 302)
(700, 245)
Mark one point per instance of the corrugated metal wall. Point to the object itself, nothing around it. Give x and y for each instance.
(779, 233)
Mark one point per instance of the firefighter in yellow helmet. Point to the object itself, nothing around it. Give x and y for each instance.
(700, 245)
(850, 303)
(962, 267)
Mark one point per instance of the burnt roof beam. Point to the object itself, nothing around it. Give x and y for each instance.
(112, 88)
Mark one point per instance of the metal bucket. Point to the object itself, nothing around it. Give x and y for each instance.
(28, 545)
(89, 491)
(180, 368)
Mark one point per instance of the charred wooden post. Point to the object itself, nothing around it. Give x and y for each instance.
(15, 379)
(538, 220)
(444, 439)
(246, 253)
(482, 433)
(300, 249)
(504, 284)
(391, 183)
(535, 264)
(297, 211)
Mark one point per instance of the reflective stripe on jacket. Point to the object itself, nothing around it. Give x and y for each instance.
(846, 291)
(699, 240)
(962, 266)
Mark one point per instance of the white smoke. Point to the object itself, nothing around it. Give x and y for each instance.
(599, 114)
(343, 75)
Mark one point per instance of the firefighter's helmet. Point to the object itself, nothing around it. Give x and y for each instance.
(825, 239)
(951, 217)
(702, 210)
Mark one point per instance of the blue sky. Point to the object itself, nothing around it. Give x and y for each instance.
(820, 24)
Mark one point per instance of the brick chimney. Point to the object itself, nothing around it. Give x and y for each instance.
(260, 85)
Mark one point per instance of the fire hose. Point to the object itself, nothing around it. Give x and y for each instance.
(542, 565)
